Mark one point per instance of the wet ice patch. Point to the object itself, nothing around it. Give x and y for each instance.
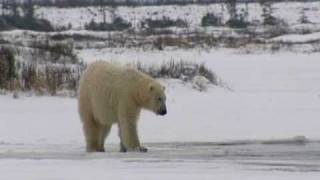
(294, 140)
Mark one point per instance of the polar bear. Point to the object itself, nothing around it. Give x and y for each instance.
(109, 94)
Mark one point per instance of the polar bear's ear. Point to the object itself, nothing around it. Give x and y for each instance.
(151, 87)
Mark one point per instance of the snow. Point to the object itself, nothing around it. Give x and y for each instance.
(78, 17)
(135, 170)
(166, 161)
(270, 96)
(266, 127)
(262, 123)
(297, 38)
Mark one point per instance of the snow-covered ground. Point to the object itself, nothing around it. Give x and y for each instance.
(262, 124)
(164, 161)
(265, 127)
(78, 17)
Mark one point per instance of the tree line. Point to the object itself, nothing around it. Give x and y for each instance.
(84, 3)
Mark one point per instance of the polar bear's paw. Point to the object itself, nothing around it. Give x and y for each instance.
(137, 149)
(143, 149)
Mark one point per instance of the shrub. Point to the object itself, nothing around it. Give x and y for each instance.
(211, 19)
(163, 41)
(54, 52)
(62, 78)
(64, 50)
(270, 20)
(267, 14)
(237, 20)
(37, 25)
(3, 73)
(20, 22)
(7, 68)
(303, 17)
(277, 30)
(50, 78)
(185, 71)
(4, 24)
(76, 37)
(237, 23)
(164, 23)
(42, 77)
(118, 24)
(29, 77)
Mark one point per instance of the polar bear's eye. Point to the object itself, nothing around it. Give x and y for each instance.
(159, 99)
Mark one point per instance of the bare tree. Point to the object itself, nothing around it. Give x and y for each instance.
(232, 8)
(303, 17)
(4, 6)
(14, 8)
(267, 13)
(29, 10)
(102, 10)
(246, 12)
(9, 7)
(112, 8)
(104, 6)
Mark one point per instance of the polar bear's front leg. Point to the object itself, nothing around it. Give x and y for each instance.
(129, 137)
(124, 149)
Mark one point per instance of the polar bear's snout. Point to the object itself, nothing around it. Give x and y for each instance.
(163, 110)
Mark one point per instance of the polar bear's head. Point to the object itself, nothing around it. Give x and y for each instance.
(156, 99)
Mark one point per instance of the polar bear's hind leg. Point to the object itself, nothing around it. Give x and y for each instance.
(95, 135)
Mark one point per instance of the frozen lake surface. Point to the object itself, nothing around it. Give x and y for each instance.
(206, 135)
(287, 159)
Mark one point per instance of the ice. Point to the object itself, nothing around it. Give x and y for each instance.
(265, 128)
